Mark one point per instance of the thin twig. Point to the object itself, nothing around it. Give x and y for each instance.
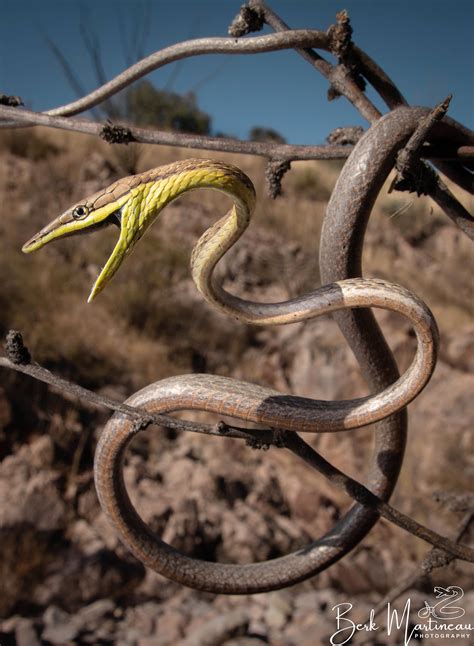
(142, 416)
(443, 197)
(339, 76)
(413, 175)
(457, 174)
(361, 494)
(379, 80)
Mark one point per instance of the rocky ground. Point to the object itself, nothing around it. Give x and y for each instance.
(64, 576)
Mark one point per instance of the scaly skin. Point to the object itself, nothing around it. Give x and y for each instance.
(134, 203)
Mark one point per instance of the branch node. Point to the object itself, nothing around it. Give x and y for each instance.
(418, 178)
(340, 35)
(10, 100)
(435, 558)
(280, 438)
(142, 423)
(342, 47)
(257, 445)
(113, 134)
(16, 350)
(333, 93)
(249, 19)
(274, 173)
(222, 428)
(413, 175)
(345, 136)
(455, 501)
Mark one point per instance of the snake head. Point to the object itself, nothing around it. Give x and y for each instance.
(95, 212)
(134, 202)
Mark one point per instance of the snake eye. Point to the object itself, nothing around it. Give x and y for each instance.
(80, 212)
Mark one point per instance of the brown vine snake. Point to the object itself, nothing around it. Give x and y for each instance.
(348, 211)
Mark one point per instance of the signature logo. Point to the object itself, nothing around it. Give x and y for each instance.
(437, 620)
(444, 608)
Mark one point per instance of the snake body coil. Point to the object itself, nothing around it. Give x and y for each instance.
(134, 204)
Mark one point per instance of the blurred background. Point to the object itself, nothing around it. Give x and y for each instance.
(64, 577)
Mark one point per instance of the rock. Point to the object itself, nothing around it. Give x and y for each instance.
(458, 350)
(77, 579)
(245, 641)
(307, 629)
(32, 510)
(85, 537)
(143, 618)
(91, 617)
(29, 494)
(42, 453)
(278, 611)
(219, 629)
(25, 633)
(169, 628)
(60, 627)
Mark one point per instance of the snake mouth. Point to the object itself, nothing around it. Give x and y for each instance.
(57, 230)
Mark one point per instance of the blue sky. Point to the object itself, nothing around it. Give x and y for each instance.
(424, 45)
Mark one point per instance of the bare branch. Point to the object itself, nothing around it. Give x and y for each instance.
(453, 208)
(339, 76)
(379, 80)
(413, 175)
(148, 136)
(361, 494)
(283, 152)
(186, 49)
(141, 416)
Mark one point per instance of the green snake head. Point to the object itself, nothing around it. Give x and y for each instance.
(95, 212)
(134, 202)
